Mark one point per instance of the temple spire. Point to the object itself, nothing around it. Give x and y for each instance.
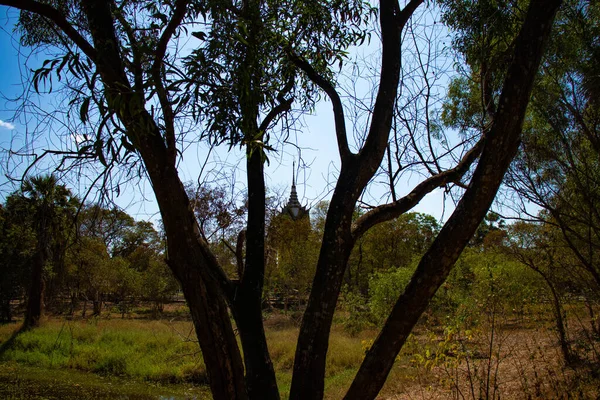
(293, 208)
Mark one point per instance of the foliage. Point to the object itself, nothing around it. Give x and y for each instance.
(48, 208)
(230, 70)
(390, 245)
(113, 257)
(293, 247)
(384, 289)
(16, 251)
(145, 350)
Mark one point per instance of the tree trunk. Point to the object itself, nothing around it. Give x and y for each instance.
(5, 311)
(197, 271)
(500, 147)
(73, 303)
(96, 305)
(261, 383)
(313, 341)
(308, 379)
(203, 282)
(560, 325)
(35, 301)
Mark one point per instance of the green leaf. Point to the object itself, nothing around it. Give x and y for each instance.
(83, 110)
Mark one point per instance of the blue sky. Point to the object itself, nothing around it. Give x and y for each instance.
(9, 70)
(315, 154)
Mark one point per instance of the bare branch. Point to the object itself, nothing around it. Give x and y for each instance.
(338, 109)
(392, 21)
(161, 49)
(393, 210)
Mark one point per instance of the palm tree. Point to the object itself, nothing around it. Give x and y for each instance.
(51, 207)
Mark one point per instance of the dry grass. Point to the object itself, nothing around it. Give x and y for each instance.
(525, 361)
(522, 363)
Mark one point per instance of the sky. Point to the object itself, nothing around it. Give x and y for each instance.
(314, 155)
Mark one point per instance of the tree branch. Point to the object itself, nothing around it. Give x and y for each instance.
(136, 65)
(161, 49)
(283, 106)
(58, 18)
(392, 21)
(500, 147)
(178, 16)
(393, 210)
(338, 109)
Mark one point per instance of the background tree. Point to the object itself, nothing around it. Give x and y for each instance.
(89, 271)
(294, 249)
(556, 168)
(390, 245)
(531, 245)
(50, 209)
(17, 246)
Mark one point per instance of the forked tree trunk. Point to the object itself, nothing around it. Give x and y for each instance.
(191, 263)
(189, 257)
(313, 341)
(356, 171)
(500, 148)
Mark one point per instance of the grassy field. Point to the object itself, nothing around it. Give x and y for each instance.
(132, 358)
(144, 351)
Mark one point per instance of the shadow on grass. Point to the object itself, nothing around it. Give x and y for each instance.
(7, 345)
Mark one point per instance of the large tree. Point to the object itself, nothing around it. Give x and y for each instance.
(17, 245)
(50, 209)
(254, 59)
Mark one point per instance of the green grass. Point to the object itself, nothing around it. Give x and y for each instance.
(148, 350)
(344, 357)
(159, 352)
(18, 381)
(145, 353)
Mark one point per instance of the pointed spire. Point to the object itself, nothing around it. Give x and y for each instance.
(293, 207)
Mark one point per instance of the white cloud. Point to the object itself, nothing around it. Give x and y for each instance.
(6, 125)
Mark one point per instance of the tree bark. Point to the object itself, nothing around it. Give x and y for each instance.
(190, 262)
(203, 282)
(261, 383)
(246, 301)
(500, 148)
(308, 379)
(35, 301)
(313, 341)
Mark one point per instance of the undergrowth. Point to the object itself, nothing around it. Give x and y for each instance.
(149, 350)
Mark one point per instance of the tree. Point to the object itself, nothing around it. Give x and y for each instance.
(294, 248)
(114, 227)
(530, 245)
(51, 209)
(256, 58)
(392, 244)
(558, 162)
(17, 245)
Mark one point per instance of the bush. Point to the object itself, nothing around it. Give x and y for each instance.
(384, 289)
